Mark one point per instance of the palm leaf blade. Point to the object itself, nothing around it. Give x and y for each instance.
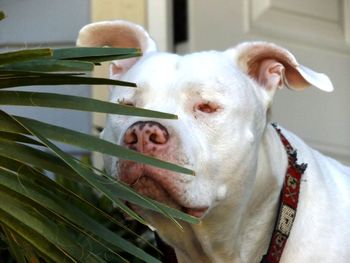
(95, 54)
(57, 79)
(49, 65)
(16, 137)
(24, 55)
(23, 98)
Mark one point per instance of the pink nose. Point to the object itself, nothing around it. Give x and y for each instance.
(146, 136)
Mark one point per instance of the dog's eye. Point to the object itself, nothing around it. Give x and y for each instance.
(126, 102)
(207, 107)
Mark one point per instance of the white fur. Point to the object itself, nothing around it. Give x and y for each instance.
(239, 160)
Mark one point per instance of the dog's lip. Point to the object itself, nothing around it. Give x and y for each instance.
(196, 212)
(192, 211)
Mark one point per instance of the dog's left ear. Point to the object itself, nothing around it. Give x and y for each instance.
(273, 67)
(118, 34)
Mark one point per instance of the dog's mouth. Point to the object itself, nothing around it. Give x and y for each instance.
(154, 189)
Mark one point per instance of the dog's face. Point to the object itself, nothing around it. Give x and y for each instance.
(221, 100)
(214, 135)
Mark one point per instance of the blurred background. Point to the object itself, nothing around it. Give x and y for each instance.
(317, 32)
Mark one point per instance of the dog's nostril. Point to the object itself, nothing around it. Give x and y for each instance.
(131, 137)
(158, 137)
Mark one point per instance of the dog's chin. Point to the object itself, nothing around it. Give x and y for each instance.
(149, 187)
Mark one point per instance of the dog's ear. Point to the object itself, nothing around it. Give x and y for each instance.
(274, 67)
(119, 34)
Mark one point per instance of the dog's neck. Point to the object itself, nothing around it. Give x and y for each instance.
(243, 235)
(259, 220)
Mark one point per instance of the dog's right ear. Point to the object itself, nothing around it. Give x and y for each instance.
(118, 34)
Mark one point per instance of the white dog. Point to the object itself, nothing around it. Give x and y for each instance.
(242, 163)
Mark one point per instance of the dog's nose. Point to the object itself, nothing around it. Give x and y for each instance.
(146, 136)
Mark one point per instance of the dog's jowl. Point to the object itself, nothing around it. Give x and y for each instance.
(261, 193)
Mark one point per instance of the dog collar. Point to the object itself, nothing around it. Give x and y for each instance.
(288, 203)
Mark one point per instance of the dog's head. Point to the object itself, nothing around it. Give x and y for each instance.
(221, 100)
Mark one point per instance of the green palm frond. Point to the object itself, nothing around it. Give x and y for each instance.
(74, 215)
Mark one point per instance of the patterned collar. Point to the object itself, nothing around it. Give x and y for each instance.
(288, 203)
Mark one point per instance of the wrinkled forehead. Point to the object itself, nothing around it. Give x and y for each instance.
(210, 72)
